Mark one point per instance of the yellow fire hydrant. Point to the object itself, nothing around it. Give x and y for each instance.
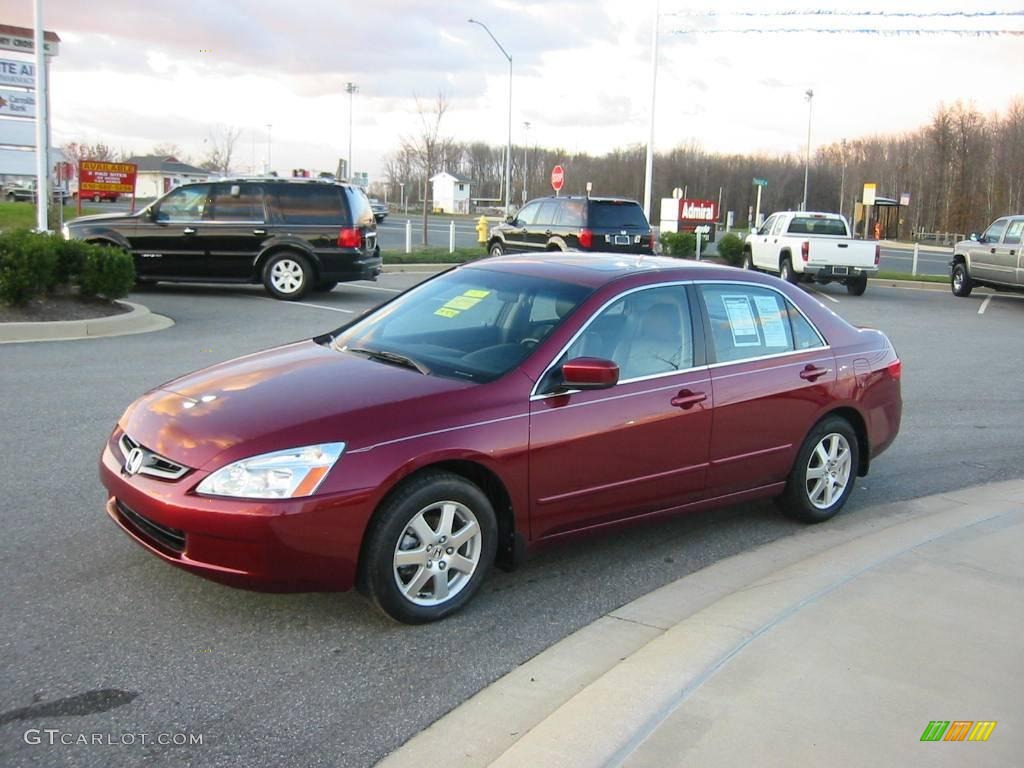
(482, 229)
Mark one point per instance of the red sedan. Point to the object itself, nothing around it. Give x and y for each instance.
(502, 404)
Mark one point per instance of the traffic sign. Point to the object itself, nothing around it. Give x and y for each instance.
(904, 198)
(557, 178)
(760, 182)
(869, 194)
(677, 193)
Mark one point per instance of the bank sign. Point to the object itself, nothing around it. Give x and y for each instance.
(17, 103)
(20, 73)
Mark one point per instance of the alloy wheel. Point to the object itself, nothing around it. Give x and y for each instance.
(437, 553)
(828, 471)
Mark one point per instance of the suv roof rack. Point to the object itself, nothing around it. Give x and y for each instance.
(288, 179)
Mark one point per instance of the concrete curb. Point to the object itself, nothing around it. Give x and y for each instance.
(139, 320)
(592, 698)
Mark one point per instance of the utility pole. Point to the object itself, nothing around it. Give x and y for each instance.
(270, 147)
(526, 148)
(351, 89)
(809, 94)
(508, 152)
(649, 162)
(842, 182)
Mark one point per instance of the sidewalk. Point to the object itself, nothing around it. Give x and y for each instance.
(833, 647)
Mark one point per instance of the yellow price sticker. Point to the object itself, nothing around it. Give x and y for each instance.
(477, 294)
(447, 312)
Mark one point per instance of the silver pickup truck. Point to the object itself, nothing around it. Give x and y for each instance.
(994, 258)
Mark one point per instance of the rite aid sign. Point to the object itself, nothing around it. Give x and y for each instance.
(20, 73)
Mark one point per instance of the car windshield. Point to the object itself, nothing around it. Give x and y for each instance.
(613, 213)
(470, 324)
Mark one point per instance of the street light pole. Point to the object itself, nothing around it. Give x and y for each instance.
(270, 146)
(842, 181)
(351, 89)
(809, 94)
(649, 163)
(526, 148)
(508, 152)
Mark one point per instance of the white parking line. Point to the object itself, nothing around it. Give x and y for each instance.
(305, 304)
(984, 305)
(824, 296)
(374, 287)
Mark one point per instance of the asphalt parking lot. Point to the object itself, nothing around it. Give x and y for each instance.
(102, 638)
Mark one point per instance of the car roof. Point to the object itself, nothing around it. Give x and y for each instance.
(591, 198)
(595, 269)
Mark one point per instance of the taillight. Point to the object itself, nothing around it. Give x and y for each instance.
(805, 250)
(878, 253)
(586, 238)
(895, 369)
(350, 237)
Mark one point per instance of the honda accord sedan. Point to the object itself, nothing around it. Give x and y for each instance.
(500, 405)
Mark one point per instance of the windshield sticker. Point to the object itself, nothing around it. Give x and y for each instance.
(741, 321)
(467, 300)
(772, 324)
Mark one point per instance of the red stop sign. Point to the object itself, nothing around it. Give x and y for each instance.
(557, 178)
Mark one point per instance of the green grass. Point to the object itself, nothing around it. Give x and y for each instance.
(433, 256)
(23, 215)
(907, 276)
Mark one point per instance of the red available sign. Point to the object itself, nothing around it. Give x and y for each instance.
(95, 176)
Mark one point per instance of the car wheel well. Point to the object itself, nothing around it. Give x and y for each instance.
(959, 259)
(853, 417)
(555, 247)
(106, 242)
(511, 544)
(275, 250)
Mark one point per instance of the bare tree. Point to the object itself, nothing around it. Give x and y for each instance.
(429, 146)
(168, 149)
(220, 147)
(79, 151)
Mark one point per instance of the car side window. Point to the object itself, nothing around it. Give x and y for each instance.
(747, 321)
(184, 204)
(570, 213)
(546, 214)
(777, 226)
(310, 204)
(995, 232)
(767, 226)
(645, 333)
(234, 202)
(527, 215)
(1013, 232)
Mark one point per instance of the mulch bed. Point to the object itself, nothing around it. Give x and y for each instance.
(60, 306)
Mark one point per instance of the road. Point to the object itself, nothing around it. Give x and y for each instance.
(101, 637)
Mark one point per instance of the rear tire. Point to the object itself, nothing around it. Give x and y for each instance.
(429, 548)
(288, 276)
(748, 262)
(786, 271)
(960, 281)
(325, 286)
(824, 473)
(856, 286)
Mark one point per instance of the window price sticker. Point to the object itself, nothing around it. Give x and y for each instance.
(467, 300)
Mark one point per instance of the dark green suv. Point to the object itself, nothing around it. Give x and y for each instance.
(293, 235)
(607, 224)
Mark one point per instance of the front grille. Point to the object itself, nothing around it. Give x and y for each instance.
(153, 464)
(169, 538)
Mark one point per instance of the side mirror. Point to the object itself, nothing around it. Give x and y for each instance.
(510, 219)
(589, 373)
(975, 237)
(151, 213)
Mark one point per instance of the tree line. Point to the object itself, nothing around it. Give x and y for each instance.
(962, 169)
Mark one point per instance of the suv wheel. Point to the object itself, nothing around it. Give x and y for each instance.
(960, 281)
(287, 276)
(496, 249)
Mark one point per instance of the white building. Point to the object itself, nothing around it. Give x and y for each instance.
(157, 174)
(451, 193)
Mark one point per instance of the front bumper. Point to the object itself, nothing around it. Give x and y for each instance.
(308, 544)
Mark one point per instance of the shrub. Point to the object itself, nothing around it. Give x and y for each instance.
(730, 248)
(27, 264)
(679, 244)
(107, 272)
(70, 256)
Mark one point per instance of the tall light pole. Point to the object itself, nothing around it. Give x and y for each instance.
(508, 153)
(809, 94)
(526, 148)
(351, 89)
(649, 163)
(842, 182)
(270, 146)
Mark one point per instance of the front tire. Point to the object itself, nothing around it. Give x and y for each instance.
(748, 262)
(856, 286)
(429, 548)
(287, 276)
(824, 473)
(960, 281)
(496, 249)
(786, 271)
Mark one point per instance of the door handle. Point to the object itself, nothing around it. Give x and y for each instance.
(259, 231)
(188, 231)
(992, 251)
(810, 373)
(687, 399)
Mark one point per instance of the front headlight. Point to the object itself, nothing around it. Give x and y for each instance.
(285, 474)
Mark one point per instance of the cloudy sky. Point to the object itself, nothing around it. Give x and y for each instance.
(134, 74)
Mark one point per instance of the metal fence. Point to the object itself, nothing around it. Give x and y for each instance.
(938, 238)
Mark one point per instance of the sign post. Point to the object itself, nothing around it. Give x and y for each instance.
(557, 178)
(759, 183)
(869, 200)
(97, 176)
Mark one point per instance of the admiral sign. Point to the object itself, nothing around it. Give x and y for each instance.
(700, 211)
(19, 73)
(95, 176)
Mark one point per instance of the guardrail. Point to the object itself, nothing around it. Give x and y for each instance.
(939, 238)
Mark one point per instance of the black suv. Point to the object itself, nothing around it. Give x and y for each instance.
(293, 235)
(608, 224)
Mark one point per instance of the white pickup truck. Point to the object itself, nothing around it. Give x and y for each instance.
(811, 246)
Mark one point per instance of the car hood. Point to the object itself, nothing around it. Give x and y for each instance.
(299, 394)
(102, 217)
